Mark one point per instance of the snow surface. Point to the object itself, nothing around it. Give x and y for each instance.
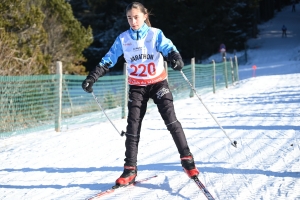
(261, 113)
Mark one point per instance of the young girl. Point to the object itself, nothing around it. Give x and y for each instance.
(143, 47)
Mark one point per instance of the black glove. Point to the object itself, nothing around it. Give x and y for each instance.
(176, 60)
(87, 85)
(98, 71)
(93, 76)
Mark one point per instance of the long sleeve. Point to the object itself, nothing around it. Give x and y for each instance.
(111, 57)
(108, 61)
(164, 45)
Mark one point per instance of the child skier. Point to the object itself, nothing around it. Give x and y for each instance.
(143, 47)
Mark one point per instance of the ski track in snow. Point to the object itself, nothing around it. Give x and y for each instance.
(261, 113)
(76, 164)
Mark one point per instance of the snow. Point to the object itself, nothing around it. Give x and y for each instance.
(261, 113)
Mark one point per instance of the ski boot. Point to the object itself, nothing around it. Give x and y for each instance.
(188, 165)
(128, 176)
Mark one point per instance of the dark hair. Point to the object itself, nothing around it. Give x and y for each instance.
(142, 8)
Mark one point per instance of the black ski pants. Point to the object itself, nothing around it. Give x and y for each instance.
(137, 105)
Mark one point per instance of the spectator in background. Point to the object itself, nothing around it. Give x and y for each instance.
(283, 30)
(293, 7)
(223, 50)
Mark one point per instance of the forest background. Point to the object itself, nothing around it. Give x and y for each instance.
(34, 34)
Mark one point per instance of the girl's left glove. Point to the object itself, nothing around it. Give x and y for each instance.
(176, 60)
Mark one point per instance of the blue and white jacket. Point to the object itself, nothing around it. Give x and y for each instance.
(163, 45)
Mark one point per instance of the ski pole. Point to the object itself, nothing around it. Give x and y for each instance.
(122, 133)
(234, 143)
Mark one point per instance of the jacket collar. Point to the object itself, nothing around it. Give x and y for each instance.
(140, 33)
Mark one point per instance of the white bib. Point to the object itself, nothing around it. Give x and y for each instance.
(145, 65)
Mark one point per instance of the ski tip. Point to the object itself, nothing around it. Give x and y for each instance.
(234, 144)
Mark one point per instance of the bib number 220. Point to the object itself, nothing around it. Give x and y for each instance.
(149, 69)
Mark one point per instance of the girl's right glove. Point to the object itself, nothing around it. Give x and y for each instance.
(98, 71)
(87, 85)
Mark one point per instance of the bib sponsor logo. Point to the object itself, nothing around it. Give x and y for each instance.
(141, 56)
(127, 44)
(138, 48)
(139, 81)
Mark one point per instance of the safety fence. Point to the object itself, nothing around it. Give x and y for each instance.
(41, 102)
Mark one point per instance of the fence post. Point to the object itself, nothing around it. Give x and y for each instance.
(225, 73)
(125, 99)
(59, 96)
(232, 71)
(193, 76)
(214, 76)
(236, 68)
(166, 69)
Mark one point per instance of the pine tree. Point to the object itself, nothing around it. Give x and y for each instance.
(37, 33)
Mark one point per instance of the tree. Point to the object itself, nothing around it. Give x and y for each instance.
(21, 35)
(67, 37)
(38, 33)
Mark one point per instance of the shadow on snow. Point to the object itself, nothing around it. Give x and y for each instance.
(152, 167)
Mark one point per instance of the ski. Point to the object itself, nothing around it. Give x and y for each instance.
(202, 188)
(113, 189)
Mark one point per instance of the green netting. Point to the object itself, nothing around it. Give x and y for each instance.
(26, 102)
(30, 103)
(204, 78)
(78, 106)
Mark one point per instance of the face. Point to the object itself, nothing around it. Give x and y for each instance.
(136, 18)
